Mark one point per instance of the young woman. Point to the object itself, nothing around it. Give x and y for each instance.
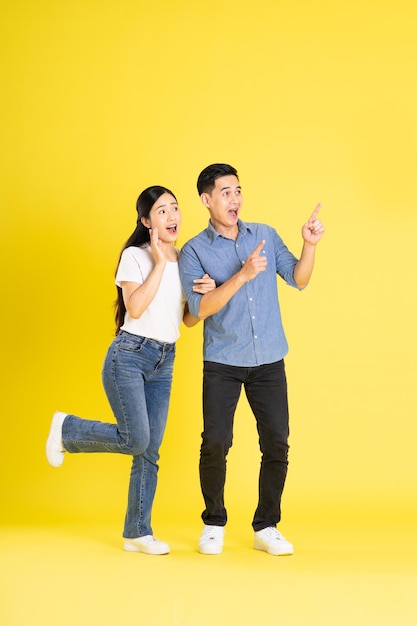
(137, 371)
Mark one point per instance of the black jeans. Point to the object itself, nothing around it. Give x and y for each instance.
(266, 391)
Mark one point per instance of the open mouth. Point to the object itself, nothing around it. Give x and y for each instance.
(233, 212)
(172, 229)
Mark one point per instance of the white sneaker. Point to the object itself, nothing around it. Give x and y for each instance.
(146, 544)
(54, 446)
(270, 540)
(211, 540)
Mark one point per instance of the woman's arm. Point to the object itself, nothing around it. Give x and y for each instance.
(138, 296)
(188, 319)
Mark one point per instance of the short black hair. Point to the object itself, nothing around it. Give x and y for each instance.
(207, 178)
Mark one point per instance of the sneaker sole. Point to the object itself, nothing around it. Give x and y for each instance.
(130, 546)
(288, 552)
(54, 457)
(210, 550)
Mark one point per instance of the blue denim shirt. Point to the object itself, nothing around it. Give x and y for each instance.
(248, 330)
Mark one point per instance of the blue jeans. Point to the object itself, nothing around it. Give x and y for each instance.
(266, 391)
(137, 378)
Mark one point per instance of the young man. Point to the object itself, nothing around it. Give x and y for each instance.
(244, 344)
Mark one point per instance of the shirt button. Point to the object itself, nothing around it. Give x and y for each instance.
(253, 317)
(256, 336)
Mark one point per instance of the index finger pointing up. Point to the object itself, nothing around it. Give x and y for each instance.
(315, 212)
(258, 248)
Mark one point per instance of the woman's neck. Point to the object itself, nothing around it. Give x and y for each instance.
(170, 251)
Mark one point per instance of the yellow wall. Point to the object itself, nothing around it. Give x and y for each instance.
(311, 101)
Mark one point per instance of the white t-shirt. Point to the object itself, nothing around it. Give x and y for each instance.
(162, 318)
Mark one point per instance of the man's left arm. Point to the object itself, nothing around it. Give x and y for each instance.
(190, 268)
(312, 232)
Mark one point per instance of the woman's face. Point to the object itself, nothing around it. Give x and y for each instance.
(165, 216)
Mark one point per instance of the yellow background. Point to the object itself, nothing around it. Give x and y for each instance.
(311, 101)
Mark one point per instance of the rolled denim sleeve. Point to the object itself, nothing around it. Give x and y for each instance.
(285, 260)
(190, 268)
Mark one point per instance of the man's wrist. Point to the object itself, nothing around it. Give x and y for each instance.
(309, 247)
(241, 278)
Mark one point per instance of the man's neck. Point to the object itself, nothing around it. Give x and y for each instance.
(230, 232)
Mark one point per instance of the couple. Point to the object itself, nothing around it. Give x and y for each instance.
(228, 275)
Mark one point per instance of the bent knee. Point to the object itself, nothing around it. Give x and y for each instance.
(135, 446)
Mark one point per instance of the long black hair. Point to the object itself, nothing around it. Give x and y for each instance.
(140, 238)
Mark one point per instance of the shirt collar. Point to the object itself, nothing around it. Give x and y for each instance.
(213, 234)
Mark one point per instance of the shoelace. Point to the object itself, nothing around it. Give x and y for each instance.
(275, 534)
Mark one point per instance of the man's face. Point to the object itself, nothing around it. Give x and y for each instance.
(224, 202)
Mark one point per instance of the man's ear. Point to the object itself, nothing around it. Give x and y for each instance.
(205, 199)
